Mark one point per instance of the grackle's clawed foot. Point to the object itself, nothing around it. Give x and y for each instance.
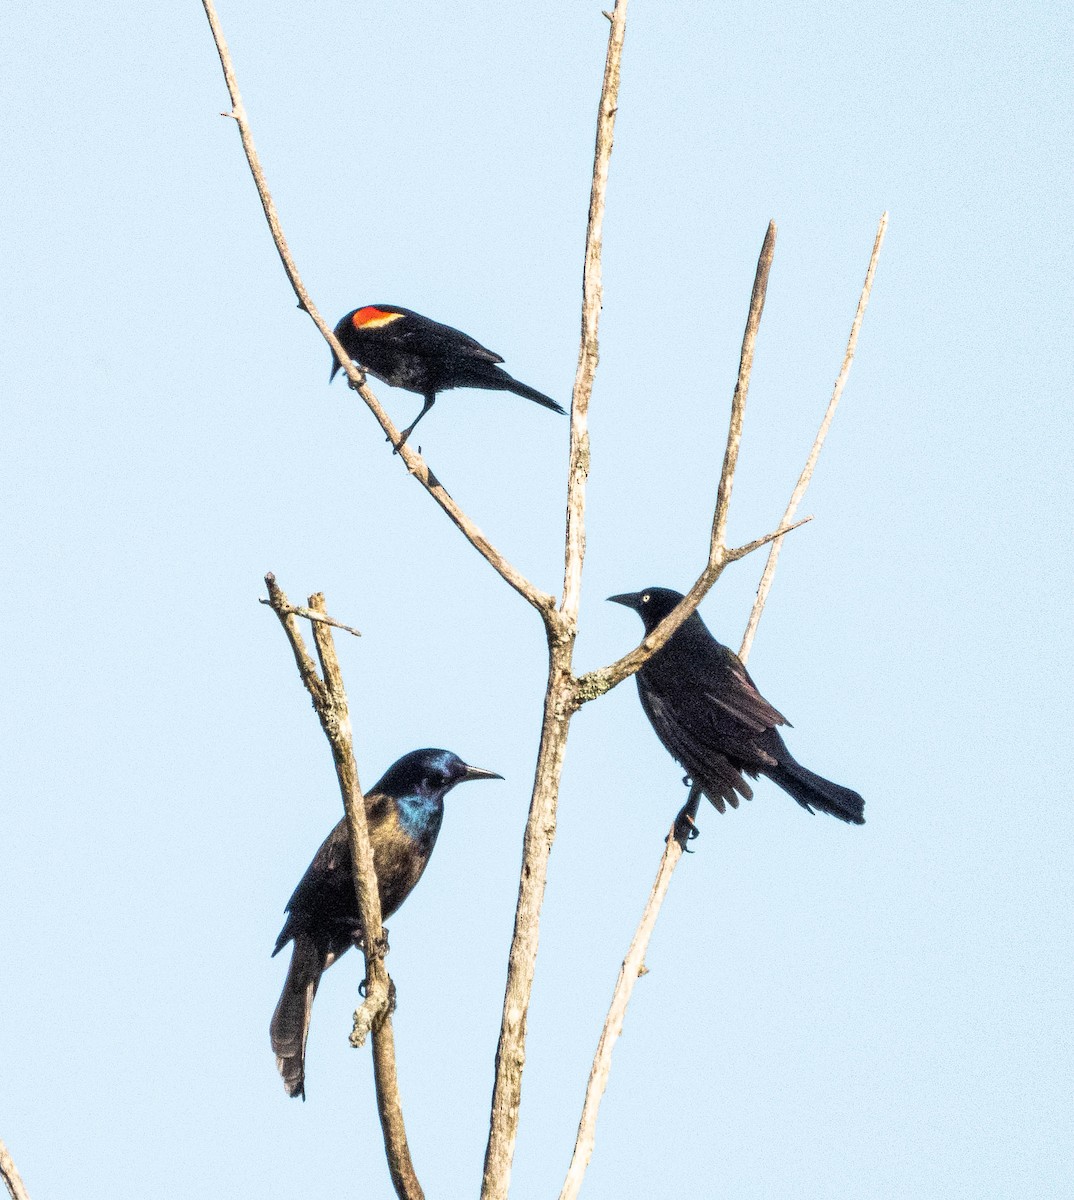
(391, 994)
(685, 829)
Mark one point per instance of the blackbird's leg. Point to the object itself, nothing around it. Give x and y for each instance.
(430, 400)
(685, 830)
(350, 382)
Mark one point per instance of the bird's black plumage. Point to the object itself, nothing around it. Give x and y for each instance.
(409, 351)
(712, 719)
(404, 811)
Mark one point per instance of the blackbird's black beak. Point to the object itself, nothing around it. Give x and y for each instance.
(479, 773)
(628, 599)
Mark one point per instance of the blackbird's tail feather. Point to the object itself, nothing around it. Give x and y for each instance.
(291, 1020)
(813, 791)
(508, 384)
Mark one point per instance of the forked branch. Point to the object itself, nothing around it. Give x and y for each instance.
(765, 585)
(596, 683)
(635, 957)
(374, 1013)
(559, 705)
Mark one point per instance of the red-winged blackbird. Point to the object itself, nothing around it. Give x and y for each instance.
(409, 351)
(709, 714)
(403, 812)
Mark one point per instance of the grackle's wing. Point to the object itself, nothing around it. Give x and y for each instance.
(324, 904)
(709, 714)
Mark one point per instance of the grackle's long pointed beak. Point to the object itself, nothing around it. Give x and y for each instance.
(478, 773)
(629, 599)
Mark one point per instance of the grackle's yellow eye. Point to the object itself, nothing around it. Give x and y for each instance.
(646, 598)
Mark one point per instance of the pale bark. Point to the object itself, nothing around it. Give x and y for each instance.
(10, 1175)
(374, 1013)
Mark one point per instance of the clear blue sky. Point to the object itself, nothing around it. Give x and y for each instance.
(831, 1012)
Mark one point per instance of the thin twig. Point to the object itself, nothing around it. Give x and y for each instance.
(330, 701)
(765, 585)
(741, 551)
(541, 822)
(596, 683)
(629, 973)
(415, 464)
(307, 668)
(299, 610)
(742, 387)
(9, 1174)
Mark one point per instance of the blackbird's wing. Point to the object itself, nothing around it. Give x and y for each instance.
(422, 336)
(710, 716)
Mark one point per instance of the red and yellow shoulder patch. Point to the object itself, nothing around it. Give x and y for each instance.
(371, 317)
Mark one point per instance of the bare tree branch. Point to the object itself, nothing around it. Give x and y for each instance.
(765, 585)
(559, 697)
(9, 1174)
(307, 668)
(415, 464)
(330, 701)
(565, 693)
(299, 610)
(741, 551)
(596, 683)
(633, 967)
(742, 387)
(592, 300)
(632, 964)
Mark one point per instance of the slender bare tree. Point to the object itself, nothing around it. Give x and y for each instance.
(565, 692)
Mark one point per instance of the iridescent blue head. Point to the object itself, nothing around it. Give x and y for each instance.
(418, 783)
(430, 774)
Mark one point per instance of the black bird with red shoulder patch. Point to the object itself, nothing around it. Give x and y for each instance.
(707, 711)
(409, 351)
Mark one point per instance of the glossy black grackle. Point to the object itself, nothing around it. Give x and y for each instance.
(712, 719)
(409, 351)
(404, 811)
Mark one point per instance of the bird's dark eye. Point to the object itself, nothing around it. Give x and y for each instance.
(646, 598)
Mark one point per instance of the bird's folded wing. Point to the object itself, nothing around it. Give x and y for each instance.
(432, 337)
(690, 743)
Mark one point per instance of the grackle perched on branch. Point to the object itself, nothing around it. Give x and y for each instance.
(404, 811)
(705, 708)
